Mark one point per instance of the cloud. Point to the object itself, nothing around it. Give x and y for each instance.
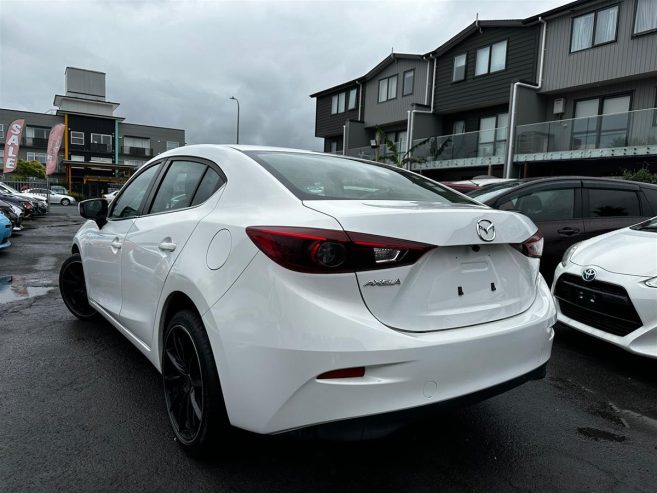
(176, 63)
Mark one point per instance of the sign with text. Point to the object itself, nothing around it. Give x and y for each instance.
(54, 143)
(12, 144)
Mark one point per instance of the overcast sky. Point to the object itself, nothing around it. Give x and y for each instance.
(176, 63)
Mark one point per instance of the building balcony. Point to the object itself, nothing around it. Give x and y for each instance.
(137, 151)
(392, 154)
(38, 142)
(101, 148)
(633, 133)
(482, 148)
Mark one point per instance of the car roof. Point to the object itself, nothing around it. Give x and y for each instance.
(548, 179)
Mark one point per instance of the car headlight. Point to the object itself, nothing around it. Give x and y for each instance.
(568, 254)
(651, 283)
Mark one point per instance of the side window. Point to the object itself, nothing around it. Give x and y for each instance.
(178, 187)
(612, 203)
(129, 202)
(651, 195)
(209, 184)
(547, 205)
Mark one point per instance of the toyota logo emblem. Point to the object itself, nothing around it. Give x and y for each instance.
(589, 274)
(485, 230)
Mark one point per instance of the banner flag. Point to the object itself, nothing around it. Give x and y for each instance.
(12, 144)
(54, 143)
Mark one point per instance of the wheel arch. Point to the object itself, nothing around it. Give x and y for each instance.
(175, 302)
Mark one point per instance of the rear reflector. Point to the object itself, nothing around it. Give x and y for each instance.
(343, 373)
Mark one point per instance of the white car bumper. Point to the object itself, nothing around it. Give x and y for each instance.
(640, 340)
(269, 358)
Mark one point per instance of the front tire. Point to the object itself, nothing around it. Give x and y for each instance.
(65, 202)
(73, 288)
(192, 391)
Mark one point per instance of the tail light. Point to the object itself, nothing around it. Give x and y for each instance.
(532, 247)
(327, 251)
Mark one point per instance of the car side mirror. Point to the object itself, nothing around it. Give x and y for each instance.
(96, 210)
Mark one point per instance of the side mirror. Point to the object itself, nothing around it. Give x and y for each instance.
(94, 209)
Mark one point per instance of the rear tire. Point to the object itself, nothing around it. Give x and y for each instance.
(65, 202)
(73, 288)
(192, 390)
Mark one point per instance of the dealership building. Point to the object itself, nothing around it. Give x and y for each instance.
(100, 150)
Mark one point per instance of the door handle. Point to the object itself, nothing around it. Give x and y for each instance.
(167, 246)
(568, 231)
(116, 243)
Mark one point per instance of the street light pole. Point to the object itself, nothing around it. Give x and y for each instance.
(238, 117)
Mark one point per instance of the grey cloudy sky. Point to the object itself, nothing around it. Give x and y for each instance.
(176, 63)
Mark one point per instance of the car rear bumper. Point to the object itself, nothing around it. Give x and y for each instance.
(641, 340)
(269, 357)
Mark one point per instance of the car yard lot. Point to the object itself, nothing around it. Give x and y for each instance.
(82, 409)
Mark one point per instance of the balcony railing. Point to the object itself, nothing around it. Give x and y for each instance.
(618, 134)
(380, 153)
(485, 147)
(35, 142)
(136, 151)
(102, 148)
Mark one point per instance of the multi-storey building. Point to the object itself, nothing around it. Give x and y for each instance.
(569, 91)
(99, 150)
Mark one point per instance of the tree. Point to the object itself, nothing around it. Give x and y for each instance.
(393, 155)
(26, 169)
(643, 174)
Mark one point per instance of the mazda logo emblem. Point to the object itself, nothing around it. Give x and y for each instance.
(485, 230)
(589, 274)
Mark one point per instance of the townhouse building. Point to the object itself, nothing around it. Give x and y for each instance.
(100, 150)
(569, 91)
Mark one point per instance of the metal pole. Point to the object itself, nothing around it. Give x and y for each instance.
(238, 118)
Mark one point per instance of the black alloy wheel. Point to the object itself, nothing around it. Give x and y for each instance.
(192, 391)
(74, 289)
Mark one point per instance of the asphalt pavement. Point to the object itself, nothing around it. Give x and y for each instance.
(82, 410)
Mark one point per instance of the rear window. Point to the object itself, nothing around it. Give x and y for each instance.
(318, 177)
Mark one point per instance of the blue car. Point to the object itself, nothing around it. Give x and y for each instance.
(5, 231)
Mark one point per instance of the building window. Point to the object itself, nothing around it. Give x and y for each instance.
(338, 103)
(408, 82)
(491, 58)
(37, 156)
(593, 29)
(645, 19)
(2, 130)
(387, 88)
(134, 162)
(459, 68)
(101, 143)
(137, 146)
(601, 123)
(172, 145)
(492, 135)
(36, 136)
(351, 104)
(77, 158)
(458, 127)
(77, 138)
(98, 159)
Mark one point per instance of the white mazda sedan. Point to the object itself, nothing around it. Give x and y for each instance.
(607, 288)
(277, 289)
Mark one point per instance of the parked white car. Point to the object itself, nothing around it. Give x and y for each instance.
(607, 288)
(278, 289)
(30, 196)
(53, 198)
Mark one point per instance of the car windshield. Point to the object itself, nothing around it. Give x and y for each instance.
(8, 189)
(649, 225)
(488, 192)
(319, 177)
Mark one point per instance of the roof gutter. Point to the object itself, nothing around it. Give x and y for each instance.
(510, 148)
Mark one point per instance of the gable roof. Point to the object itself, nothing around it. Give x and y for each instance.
(471, 29)
(378, 68)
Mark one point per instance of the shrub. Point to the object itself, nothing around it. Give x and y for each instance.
(643, 175)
